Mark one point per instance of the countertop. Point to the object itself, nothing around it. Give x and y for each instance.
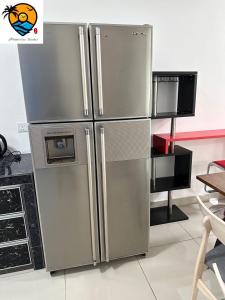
(9, 167)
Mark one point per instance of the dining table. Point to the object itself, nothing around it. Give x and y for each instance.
(217, 182)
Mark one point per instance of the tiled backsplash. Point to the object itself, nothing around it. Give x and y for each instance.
(20, 236)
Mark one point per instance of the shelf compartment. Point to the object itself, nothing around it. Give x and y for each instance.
(172, 171)
(12, 256)
(174, 94)
(12, 229)
(170, 183)
(161, 142)
(10, 200)
(178, 150)
(169, 115)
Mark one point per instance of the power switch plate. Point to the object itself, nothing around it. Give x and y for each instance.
(22, 127)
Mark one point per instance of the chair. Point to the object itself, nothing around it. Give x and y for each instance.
(217, 163)
(214, 259)
(220, 206)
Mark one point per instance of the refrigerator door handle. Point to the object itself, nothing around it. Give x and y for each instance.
(91, 198)
(99, 71)
(104, 186)
(83, 69)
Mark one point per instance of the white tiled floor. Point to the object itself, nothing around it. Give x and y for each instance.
(36, 285)
(164, 274)
(168, 234)
(169, 269)
(119, 280)
(193, 225)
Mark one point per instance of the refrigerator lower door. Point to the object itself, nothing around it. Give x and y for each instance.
(121, 70)
(123, 168)
(65, 181)
(56, 75)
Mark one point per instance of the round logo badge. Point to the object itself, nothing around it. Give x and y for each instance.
(22, 17)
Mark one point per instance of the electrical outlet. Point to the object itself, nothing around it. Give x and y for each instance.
(22, 127)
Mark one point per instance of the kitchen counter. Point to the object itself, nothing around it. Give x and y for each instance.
(9, 167)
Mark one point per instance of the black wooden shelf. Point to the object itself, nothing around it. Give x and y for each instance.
(178, 164)
(178, 150)
(160, 215)
(174, 94)
(155, 153)
(174, 73)
(169, 184)
(169, 115)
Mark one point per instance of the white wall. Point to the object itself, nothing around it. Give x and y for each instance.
(188, 35)
(12, 109)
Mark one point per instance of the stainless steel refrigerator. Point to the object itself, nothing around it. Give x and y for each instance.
(88, 100)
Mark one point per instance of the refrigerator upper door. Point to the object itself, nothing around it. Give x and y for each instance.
(66, 190)
(56, 75)
(121, 70)
(123, 168)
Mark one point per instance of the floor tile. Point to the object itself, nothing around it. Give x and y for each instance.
(33, 285)
(167, 271)
(170, 268)
(118, 280)
(194, 225)
(211, 282)
(167, 234)
(209, 277)
(16, 274)
(211, 242)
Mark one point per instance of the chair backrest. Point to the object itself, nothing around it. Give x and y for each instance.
(218, 225)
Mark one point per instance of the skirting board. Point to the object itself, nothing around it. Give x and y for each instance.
(186, 200)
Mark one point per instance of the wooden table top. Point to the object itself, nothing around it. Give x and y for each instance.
(216, 181)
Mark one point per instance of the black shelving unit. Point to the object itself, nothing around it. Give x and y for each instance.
(174, 95)
(180, 163)
(169, 115)
(179, 176)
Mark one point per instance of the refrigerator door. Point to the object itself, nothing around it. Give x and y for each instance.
(63, 157)
(123, 172)
(121, 70)
(56, 75)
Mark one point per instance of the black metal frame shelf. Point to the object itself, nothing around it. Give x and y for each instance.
(184, 90)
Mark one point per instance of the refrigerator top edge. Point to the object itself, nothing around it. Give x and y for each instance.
(97, 24)
(119, 25)
(65, 23)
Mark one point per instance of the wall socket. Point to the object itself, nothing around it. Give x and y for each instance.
(22, 127)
